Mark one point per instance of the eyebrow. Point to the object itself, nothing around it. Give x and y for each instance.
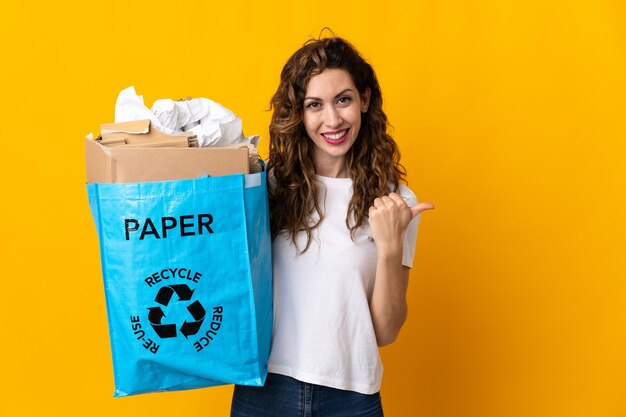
(341, 93)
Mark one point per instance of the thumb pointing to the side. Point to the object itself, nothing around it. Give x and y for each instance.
(418, 208)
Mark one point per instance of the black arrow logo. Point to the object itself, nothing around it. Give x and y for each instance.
(196, 310)
(182, 291)
(191, 327)
(155, 315)
(163, 330)
(164, 295)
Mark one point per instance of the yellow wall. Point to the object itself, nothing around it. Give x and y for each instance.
(510, 117)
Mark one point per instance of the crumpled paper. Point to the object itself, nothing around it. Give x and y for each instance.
(212, 123)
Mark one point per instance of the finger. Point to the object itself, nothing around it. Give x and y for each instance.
(418, 208)
(397, 200)
(378, 202)
(387, 201)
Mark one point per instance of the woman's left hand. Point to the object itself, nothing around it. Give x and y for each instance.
(389, 218)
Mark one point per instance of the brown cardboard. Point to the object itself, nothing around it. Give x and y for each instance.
(138, 132)
(135, 126)
(121, 165)
(138, 153)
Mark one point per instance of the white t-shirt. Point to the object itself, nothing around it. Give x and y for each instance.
(323, 331)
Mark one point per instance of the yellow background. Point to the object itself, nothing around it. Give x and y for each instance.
(510, 116)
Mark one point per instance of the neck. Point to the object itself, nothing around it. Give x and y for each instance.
(331, 167)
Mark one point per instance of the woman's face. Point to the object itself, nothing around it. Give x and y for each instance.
(332, 118)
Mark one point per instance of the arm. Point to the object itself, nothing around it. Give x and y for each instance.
(389, 218)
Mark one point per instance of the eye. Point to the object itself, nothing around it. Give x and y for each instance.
(344, 100)
(312, 105)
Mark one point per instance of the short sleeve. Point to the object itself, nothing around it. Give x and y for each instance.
(410, 234)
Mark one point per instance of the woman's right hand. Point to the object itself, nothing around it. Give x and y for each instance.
(389, 217)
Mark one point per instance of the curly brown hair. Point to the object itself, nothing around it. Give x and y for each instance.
(374, 165)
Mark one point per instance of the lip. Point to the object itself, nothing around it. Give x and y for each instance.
(337, 141)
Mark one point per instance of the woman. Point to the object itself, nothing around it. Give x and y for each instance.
(343, 238)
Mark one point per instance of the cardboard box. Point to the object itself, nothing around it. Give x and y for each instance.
(137, 133)
(128, 164)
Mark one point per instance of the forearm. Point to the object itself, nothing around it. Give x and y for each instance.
(388, 304)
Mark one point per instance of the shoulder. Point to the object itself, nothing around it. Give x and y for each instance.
(408, 195)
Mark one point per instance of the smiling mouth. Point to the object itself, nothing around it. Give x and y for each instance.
(337, 137)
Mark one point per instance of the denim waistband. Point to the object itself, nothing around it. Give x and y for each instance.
(283, 396)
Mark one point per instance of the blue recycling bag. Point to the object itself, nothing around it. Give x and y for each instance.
(188, 282)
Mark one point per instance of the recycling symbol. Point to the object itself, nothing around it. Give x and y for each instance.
(163, 297)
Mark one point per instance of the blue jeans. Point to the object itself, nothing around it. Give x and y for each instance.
(283, 396)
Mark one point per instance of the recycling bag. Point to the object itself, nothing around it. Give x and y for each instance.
(187, 276)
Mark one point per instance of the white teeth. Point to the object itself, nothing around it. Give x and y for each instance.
(334, 136)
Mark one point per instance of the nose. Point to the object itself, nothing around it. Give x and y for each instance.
(333, 117)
